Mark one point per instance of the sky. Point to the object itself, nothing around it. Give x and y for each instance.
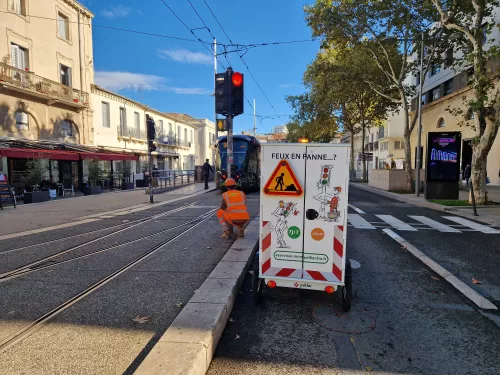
(178, 76)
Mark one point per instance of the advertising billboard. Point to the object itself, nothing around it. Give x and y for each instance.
(443, 156)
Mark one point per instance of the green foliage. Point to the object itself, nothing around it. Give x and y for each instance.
(36, 169)
(94, 169)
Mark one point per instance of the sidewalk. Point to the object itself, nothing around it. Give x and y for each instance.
(84, 209)
(486, 215)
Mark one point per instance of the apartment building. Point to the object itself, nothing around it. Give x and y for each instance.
(445, 88)
(120, 126)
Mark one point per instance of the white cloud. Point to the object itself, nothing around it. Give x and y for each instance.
(119, 81)
(185, 56)
(115, 11)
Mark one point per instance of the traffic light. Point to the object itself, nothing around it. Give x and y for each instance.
(237, 94)
(221, 125)
(325, 175)
(151, 132)
(221, 93)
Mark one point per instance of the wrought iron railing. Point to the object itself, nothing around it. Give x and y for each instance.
(171, 140)
(131, 132)
(32, 82)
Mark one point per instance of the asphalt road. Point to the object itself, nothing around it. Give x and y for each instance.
(110, 329)
(404, 319)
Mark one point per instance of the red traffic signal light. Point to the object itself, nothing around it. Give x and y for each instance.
(237, 79)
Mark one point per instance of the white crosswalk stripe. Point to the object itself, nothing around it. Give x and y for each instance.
(472, 224)
(358, 222)
(396, 223)
(435, 224)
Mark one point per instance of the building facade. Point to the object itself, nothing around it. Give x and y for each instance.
(120, 126)
(445, 88)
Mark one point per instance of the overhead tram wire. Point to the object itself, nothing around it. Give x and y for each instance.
(251, 45)
(241, 56)
(192, 32)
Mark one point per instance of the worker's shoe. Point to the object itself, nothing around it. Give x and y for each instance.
(241, 232)
(227, 234)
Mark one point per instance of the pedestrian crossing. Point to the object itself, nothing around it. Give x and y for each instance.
(449, 224)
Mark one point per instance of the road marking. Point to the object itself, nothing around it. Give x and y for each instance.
(396, 223)
(358, 222)
(471, 224)
(462, 287)
(434, 224)
(358, 210)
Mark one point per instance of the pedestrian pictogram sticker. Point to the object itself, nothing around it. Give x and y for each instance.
(283, 181)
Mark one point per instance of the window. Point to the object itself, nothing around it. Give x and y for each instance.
(65, 73)
(105, 115)
(66, 128)
(21, 120)
(160, 126)
(185, 135)
(399, 145)
(170, 129)
(123, 118)
(179, 132)
(192, 136)
(441, 123)
(62, 26)
(19, 56)
(384, 146)
(436, 68)
(417, 79)
(470, 116)
(484, 32)
(448, 87)
(435, 94)
(137, 121)
(424, 98)
(19, 7)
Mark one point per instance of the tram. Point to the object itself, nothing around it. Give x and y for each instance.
(246, 162)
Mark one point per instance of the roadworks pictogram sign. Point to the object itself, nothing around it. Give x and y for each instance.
(283, 181)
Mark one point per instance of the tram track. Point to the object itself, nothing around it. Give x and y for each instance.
(139, 222)
(48, 263)
(34, 326)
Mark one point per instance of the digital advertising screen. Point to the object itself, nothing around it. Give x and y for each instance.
(443, 156)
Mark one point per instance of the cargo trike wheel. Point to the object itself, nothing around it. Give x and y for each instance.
(257, 282)
(347, 288)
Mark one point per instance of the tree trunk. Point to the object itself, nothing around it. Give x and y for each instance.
(351, 163)
(407, 136)
(363, 132)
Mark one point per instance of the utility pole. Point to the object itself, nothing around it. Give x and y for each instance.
(254, 119)
(215, 87)
(419, 129)
(230, 159)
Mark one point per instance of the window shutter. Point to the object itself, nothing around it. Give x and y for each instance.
(22, 58)
(14, 51)
(17, 6)
(69, 77)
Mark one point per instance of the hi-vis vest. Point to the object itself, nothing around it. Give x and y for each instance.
(236, 209)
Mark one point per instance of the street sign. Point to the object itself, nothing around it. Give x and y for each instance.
(222, 125)
(283, 181)
(303, 236)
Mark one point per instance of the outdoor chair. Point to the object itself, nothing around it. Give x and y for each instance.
(68, 187)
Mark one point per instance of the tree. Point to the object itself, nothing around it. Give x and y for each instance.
(474, 20)
(309, 121)
(368, 24)
(339, 92)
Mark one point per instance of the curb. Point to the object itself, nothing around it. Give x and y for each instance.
(459, 285)
(188, 345)
(423, 203)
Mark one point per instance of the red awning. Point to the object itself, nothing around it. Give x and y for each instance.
(104, 156)
(39, 154)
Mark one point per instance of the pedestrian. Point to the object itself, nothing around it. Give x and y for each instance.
(233, 210)
(206, 171)
(467, 174)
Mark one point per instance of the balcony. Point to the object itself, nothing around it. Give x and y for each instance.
(29, 83)
(171, 140)
(132, 133)
(375, 146)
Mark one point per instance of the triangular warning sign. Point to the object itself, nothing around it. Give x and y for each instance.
(283, 181)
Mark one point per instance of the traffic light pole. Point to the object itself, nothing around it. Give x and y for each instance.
(215, 88)
(230, 159)
(150, 176)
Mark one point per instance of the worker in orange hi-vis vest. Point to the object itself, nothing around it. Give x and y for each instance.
(233, 210)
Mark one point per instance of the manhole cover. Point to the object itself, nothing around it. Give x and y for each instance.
(332, 317)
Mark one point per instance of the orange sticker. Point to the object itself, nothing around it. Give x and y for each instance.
(317, 234)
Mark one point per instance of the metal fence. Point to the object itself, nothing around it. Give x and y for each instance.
(168, 178)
